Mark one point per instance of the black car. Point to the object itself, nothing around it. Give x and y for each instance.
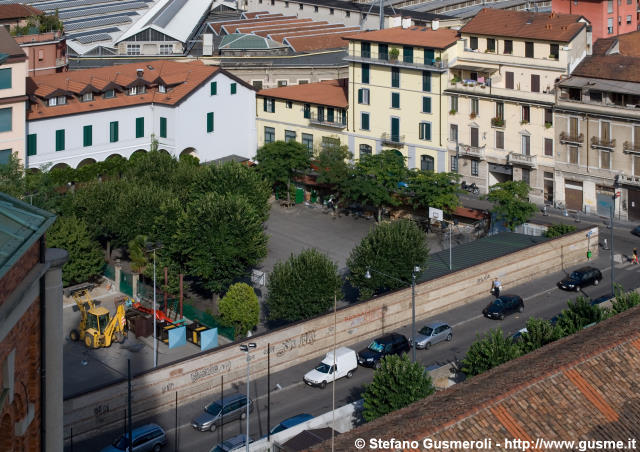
(391, 344)
(636, 231)
(580, 278)
(503, 306)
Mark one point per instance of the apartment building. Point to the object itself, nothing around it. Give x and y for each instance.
(597, 128)
(501, 96)
(46, 52)
(90, 115)
(607, 17)
(13, 73)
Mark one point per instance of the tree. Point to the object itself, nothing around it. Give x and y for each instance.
(557, 230)
(280, 160)
(393, 248)
(579, 314)
(489, 351)
(396, 384)
(137, 253)
(511, 202)
(240, 308)
(438, 190)
(86, 258)
(333, 167)
(303, 286)
(12, 177)
(539, 332)
(624, 301)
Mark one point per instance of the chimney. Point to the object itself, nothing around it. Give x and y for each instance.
(140, 72)
(435, 24)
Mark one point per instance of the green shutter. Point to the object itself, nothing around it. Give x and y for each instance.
(426, 81)
(113, 131)
(234, 88)
(163, 127)
(60, 140)
(360, 96)
(32, 143)
(365, 73)
(87, 136)
(139, 127)
(264, 104)
(210, 122)
(395, 100)
(426, 105)
(365, 121)
(5, 155)
(6, 119)
(5, 78)
(214, 88)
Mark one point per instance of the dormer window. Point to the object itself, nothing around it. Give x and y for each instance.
(162, 89)
(137, 90)
(108, 94)
(87, 97)
(59, 100)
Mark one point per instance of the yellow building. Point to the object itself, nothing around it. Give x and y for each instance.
(13, 75)
(501, 95)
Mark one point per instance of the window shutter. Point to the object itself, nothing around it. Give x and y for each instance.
(87, 138)
(214, 88)
(234, 88)
(264, 107)
(139, 127)
(32, 142)
(210, 122)
(360, 96)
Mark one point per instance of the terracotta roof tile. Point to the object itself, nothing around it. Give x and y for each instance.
(522, 24)
(415, 36)
(610, 67)
(629, 44)
(270, 26)
(18, 11)
(331, 92)
(602, 45)
(293, 34)
(252, 14)
(320, 41)
(218, 26)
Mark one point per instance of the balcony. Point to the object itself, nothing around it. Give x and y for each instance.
(436, 66)
(392, 139)
(629, 180)
(323, 120)
(515, 158)
(465, 150)
(569, 138)
(603, 143)
(629, 148)
(498, 123)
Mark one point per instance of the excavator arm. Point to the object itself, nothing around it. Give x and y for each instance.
(116, 323)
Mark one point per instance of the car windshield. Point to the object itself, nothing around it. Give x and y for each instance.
(575, 275)
(214, 409)
(497, 302)
(376, 347)
(277, 429)
(121, 443)
(323, 368)
(426, 331)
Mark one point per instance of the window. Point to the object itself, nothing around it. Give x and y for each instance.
(500, 110)
(32, 144)
(508, 46)
(113, 131)
(162, 88)
(139, 127)
(6, 119)
(331, 11)
(364, 121)
(407, 54)
(87, 136)
(315, 8)
(628, 20)
(234, 88)
(5, 78)
(548, 147)
(636, 135)
(60, 140)
(526, 114)
(53, 101)
(426, 81)
(320, 113)
(573, 154)
(609, 6)
(454, 164)
(213, 88)
(427, 163)
(474, 137)
(303, 82)
(210, 125)
(365, 50)
(636, 165)
(528, 49)
(508, 80)
(307, 141)
(475, 106)
(526, 176)
(429, 56)
(257, 84)
(269, 135)
(526, 144)
(163, 127)
(133, 49)
(383, 52)
(610, 25)
(395, 100)
(330, 143)
(166, 49)
(548, 117)
(499, 139)
(301, 7)
(5, 154)
(454, 103)
(363, 96)
(535, 83)
(330, 114)
(426, 105)
(395, 77)
(289, 104)
(87, 97)
(286, 4)
(365, 149)
(605, 131)
(347, 13)
(554, 51)
(110, 93)
(306, 111)
(365, 73)
(141, 89)
(424, 131)
(491, 45)
(289, 135)
(605, 159)
(473, 42)
(453, 132)
(269, 104)
(474, 167)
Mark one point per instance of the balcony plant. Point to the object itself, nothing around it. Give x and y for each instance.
(497, 122)
(455, 80)
(394, 53)
(523, 122)
(472, 116)
(547, 125)
(453, 111)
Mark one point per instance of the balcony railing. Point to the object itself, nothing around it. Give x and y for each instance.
(466, 150)
(499, 123)
(438, 65)
(629, 180)
(392, 139)
(340, 123)
(603, 143)
(629, 148)
(516, 158)
(567, 137)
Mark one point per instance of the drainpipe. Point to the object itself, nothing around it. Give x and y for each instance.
(586, 116)
(440, 118)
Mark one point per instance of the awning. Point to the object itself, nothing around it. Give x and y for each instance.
(465, 212)
(473, 68)
(601, 85)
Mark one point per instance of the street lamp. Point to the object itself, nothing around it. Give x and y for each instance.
(616, 194)
(415, 270)
(245, 348)
(153, 247)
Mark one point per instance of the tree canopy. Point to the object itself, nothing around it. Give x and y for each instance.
(511, 202)
(240, 308)
(539, 333)
(280, 160)
(489, 351)
(579, 314)
(438, 190)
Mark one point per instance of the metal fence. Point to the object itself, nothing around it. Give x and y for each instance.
(208, 320)
(126, 283)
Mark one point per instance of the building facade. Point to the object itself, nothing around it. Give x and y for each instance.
(46, 52)
(607, 17)
(13, 75)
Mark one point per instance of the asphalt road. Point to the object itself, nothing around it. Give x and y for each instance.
(542, 300)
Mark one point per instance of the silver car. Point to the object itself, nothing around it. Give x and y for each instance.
(433, 333)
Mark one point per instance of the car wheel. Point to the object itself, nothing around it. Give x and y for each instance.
(243, 415)
(323, 385)
(501, 317)
(521, 309)
(74, 335)
(449, 337)
(350, 374)
(427, 346)
(596, 282)
(213, 427)
(157, 448)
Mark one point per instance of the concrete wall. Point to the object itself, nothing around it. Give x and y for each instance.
(305, 340)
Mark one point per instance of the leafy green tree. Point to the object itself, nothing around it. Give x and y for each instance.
(86, 258)
(624, 301)
(12, 181)
(557, 230)
(333, 167)
(396, 384)
(489, 351)
(137, 253)
(153, 168)
(511, 202)
(303, 286)
(393, 248)
(240, 308)
(539, 332)
(220, 238)
(438, 190)
(279, 161)
(579, 314)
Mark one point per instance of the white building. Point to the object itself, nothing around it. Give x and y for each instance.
(85, 116)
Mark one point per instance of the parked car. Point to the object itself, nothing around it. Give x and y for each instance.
(517, 337)
(149, 437)
(291, 422)
(236, 443)
(580, 278)
(503, 306)
(433, 333)
(221, 411)
(390, 344)
(346, 364)
(636, 231)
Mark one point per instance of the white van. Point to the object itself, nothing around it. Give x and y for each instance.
(346, 363)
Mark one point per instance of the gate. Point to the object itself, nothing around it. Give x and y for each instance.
(109, 272)
(573, 195)
(634, 204)
(126, 283)
(604, 199)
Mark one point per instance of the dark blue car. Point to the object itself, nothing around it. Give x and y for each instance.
(291, 422)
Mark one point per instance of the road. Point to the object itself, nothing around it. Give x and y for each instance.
(542, 300)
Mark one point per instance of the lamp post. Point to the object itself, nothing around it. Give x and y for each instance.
(246, 348)
(616, 194)
(415, 270)
(153, 247)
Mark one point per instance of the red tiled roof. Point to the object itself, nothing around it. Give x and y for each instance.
(629, 44)
(191, 75)
(340, 28)
(610, 67)
(323, 40)
(270, 26)
(18, 11)
(252, 14)
(217, 26)
(602, 45)
(332, 93)
(302, 29)
(522, 24)
(233, 28)
(415, 36)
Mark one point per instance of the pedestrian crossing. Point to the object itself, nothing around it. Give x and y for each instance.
(628, 265)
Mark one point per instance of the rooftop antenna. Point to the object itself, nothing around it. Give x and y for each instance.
(381, 9)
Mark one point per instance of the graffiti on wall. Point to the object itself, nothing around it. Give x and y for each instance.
(210, 371)
(363, 317)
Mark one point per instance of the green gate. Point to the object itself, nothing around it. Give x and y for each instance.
(126, 283)
(109, 272)
(299, 195)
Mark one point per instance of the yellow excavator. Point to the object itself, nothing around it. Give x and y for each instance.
(97, 328)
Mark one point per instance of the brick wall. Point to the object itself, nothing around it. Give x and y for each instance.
(18, 272)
